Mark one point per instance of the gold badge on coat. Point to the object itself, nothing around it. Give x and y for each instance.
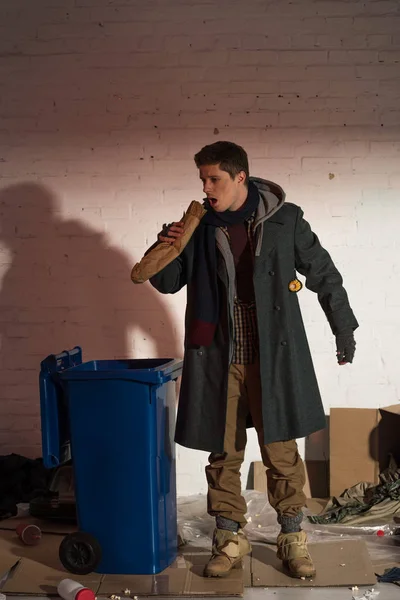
(295, 285)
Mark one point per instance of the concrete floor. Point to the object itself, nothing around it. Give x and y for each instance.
(387, 591)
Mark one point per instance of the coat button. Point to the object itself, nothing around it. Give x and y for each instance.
(272, 273)
(283, 343)
(276, 307)
(200, 353)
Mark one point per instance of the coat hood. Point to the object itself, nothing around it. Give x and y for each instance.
(272, 199)
(272, 196)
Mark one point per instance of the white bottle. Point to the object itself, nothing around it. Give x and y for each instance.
(72, 590)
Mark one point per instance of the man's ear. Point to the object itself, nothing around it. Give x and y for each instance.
(242, 177)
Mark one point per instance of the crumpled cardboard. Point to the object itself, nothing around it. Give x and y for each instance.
(362, 440)
(164, 253)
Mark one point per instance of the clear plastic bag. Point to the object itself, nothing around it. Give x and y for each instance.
(196, 527)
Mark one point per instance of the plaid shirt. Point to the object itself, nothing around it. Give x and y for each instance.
(245, 340)
(245, 332)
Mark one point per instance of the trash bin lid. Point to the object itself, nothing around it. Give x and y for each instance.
(53, 407)
(68, 366)
(144, 370)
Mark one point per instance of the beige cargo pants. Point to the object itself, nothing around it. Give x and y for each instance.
(285, 468)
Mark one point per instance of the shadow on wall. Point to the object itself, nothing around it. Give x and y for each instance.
(63, 285)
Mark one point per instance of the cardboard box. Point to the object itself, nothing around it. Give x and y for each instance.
(361, 441)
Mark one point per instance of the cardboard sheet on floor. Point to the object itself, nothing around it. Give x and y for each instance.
(39, 570)
(45, 553)
(45, 526)
(247, 571)
(183, 578)
(35, 578)
(7, 560)
(344, 563)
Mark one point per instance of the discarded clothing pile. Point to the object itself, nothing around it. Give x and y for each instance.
(390, 576)
(21, 480)
(364, 501)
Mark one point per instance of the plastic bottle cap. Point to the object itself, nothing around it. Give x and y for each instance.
(85, 594)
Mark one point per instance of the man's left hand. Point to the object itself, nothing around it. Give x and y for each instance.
(345, 347)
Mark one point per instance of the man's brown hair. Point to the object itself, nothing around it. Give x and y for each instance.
(229, 156)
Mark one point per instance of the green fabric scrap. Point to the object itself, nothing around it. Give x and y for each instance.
(364, 501)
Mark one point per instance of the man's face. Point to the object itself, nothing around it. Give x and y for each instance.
(223, 192)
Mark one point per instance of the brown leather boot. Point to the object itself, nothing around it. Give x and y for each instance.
(227, 552)
(292, 550)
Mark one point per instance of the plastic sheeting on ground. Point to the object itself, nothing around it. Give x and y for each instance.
(196, 527)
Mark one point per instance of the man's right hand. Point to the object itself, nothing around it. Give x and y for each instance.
(171, 233)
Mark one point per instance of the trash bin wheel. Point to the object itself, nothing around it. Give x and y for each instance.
(80, 553)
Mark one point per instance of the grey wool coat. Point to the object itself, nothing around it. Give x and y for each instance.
(291, 402)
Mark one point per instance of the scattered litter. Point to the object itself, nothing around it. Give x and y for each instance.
(127, 592)
(368, 595)
(303, 578)
(342, 564)
(259, 526)
(68, 589)
(249, 520)
(29, 534)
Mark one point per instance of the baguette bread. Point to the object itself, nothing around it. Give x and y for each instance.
(164, 253)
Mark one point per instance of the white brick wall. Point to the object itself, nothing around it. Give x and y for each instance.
(103, 104)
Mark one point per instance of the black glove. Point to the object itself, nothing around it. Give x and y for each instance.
(345, 347)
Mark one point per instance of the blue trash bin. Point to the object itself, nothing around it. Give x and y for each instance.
(116, 419)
